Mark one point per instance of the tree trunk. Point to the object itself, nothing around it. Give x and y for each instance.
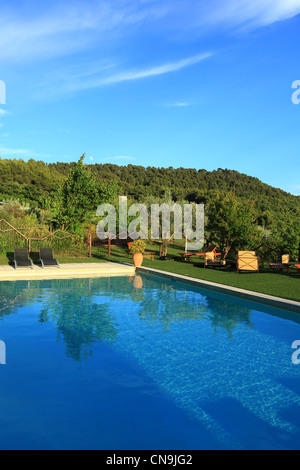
(164, 250)
(226, 251)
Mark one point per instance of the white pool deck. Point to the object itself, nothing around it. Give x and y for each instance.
(67, 271)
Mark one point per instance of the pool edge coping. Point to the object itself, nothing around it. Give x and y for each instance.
(270, 300)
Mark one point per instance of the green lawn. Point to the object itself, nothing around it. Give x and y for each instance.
(276, 283)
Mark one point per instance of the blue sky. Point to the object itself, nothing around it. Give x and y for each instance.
(160, 83)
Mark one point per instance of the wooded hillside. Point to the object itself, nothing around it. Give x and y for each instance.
(28, 181)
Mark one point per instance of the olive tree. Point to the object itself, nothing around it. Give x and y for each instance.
(232, 223)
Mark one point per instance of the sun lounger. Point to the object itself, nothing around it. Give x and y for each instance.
(209, 249)
(21, 258)
(212, 261)
(46, 257)
(284, 264)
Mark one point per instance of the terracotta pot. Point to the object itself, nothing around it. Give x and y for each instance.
(137, 259)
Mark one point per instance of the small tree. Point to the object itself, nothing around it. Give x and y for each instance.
(79, 196)
(232, 223)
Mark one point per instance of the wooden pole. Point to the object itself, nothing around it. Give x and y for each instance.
(109, 247)
(90, 242)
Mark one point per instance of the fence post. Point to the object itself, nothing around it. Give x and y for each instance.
(90, 242)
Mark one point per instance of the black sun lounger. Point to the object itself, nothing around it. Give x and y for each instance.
(21, 258)
(46, 257)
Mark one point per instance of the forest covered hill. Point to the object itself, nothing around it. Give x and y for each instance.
(28, 181)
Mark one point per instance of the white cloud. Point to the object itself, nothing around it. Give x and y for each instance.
(68, 28)
(3, 112)
(21, 153)
(250, 12)
(157, 70)
(100, 30)
(7, 152)
(179, 104)
(65, 29)
(65, 83)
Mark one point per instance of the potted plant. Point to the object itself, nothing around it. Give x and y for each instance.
(137, 248)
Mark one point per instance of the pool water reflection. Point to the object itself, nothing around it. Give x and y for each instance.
(144, 363)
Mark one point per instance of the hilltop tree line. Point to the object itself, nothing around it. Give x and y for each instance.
(29, 181)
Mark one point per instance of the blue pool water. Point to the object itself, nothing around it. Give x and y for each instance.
(144, 363)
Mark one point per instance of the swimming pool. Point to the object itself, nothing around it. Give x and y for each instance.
(144, 363)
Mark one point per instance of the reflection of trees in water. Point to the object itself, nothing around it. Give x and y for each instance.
(227, 316)
(80, 322)
(80, 307)
(167, 304)
(14, 295)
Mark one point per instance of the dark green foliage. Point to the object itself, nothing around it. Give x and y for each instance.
(35, 182)
(231, 224)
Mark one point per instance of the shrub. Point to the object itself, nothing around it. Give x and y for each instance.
(138, 246)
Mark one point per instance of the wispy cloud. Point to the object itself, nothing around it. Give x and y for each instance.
(8, 152)
(21, 153)
(63, 28)
(234, 14)
(178, 104)
(3, 112)
(62, 33)
(66, 83)
(157, 70)
(253, 12)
